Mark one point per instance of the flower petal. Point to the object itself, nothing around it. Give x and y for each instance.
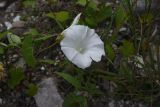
(67, 42)
(76, 32)
(76, 19)
(70, 53)
(82, 61)
(96, 52)
(94, 40)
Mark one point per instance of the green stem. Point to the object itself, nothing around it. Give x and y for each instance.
(44, 49)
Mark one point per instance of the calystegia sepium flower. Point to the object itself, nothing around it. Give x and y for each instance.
(81, 44)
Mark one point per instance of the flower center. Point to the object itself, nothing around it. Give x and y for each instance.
(80, 49)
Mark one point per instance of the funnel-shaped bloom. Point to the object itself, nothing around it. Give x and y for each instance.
(81, 45)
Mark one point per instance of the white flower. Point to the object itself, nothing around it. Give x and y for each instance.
(81, 45)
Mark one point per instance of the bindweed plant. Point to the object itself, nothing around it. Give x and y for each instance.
(107, 52)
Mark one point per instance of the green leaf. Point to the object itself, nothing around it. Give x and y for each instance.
(92, 89)
(92, 4)
(127, 49)
(3, 34)
(3, 44)
(82, 2)
(32, 89)
(16, 76)
(1, 50)
(75, 82)
(120, 16)
(104, 12)
(27, 51)
(90, 21)
(110, 52)
(32, 32)
(73, 100)
(29, 3)
(13, 39)
(147, 17)
(101, 14)
(61, 16)
(125, 72)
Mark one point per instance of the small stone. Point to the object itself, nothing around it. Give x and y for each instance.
(97, 86)
(17, 18)
(141, 5)
(20, 63)
(42, 68)
(1, 25)
(55, 64)
(2, 4)
(47, 95)
(18, 24)
(8, 25)
(122, 29)
(111, 31)
(1, 101)
(117, 1)
(15, 56)
(139, 61)
(109, 4)
(12, 14)
(111, 104)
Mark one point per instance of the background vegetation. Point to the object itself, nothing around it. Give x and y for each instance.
(129, 71)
